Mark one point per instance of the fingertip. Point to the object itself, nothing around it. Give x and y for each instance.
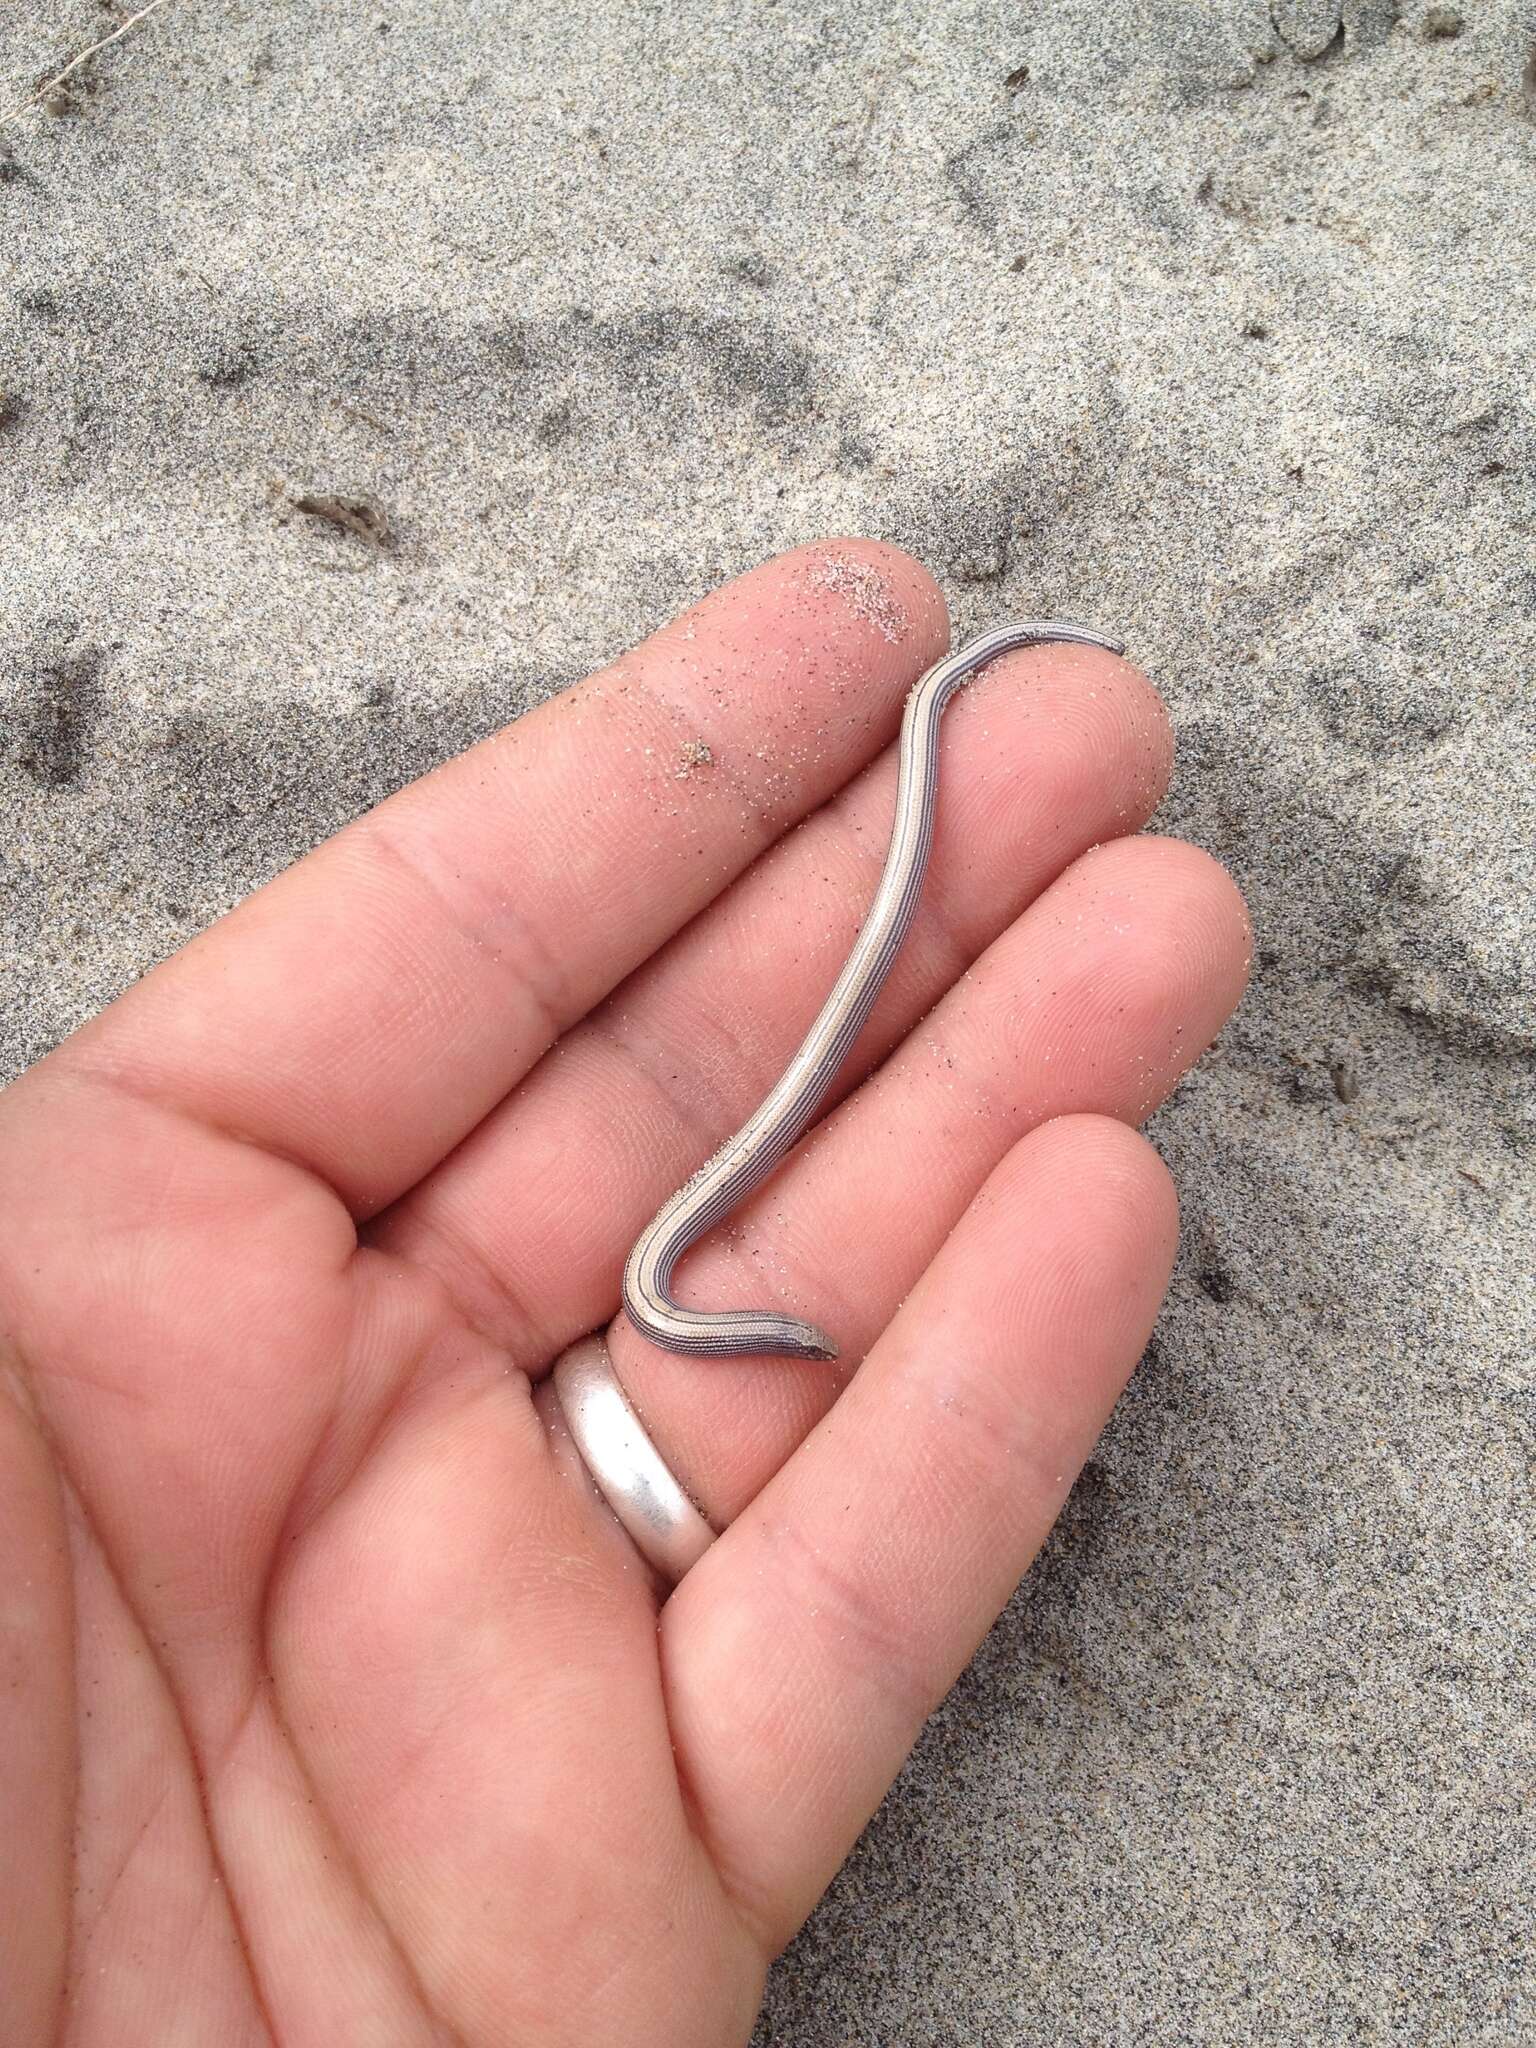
(1197, 883)
(828, 636)
(1094, 722)
(879, 586)
(1078, 1227)
(1139, 721)
(1149, 726)
(1153, 945)
(1132, 1200)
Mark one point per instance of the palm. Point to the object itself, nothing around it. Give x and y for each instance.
(343, 1711)
(308, 1657)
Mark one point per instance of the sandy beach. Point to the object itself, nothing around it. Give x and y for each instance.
(367, 374)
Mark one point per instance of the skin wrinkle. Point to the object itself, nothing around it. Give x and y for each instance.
(300, 1518)
(815, 1581)
(711, 1845)
(214, 1891)
(20, 1391)
(206, 1771)
(751, 1898)
(983, 1429)
(86, 1069)
(532, 968)
(761, 819)
(692, 1122)
(203, 1779)
(531, 1346)
(443, 2028)
(621, 1955)
(16, 1386)
(364, 1889)
(101, 1904)
(264, 1694)
(199, 1772)
(720, 1042)
(62, 1376)
(428, 1740)
(540, 1343)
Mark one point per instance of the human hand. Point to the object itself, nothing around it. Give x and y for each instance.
(336, 1706)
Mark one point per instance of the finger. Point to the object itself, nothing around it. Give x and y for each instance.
(1097, 1000)
(805, 1651)
(367, 1008)
(1049, 752)
(37, 1719)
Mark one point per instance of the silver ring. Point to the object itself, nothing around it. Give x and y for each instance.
(626, 1467)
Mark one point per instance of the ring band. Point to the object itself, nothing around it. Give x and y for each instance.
(626, 1467)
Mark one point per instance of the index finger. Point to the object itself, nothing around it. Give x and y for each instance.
(364, 1011)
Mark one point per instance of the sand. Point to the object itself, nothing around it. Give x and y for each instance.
(1211, 324)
